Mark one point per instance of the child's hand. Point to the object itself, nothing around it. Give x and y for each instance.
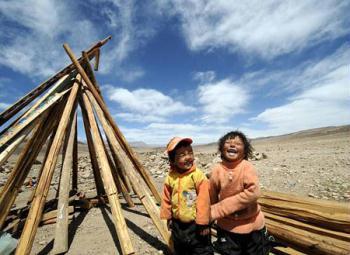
(203, 230)
(169, 223)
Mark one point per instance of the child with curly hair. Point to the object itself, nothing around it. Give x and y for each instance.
(234, 191)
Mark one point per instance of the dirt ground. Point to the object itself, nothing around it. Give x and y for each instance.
(312, 163)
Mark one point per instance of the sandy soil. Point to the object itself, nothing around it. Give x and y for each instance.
(314, 164)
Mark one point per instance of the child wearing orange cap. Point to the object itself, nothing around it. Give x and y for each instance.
(185, 201)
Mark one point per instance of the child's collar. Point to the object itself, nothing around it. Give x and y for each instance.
(229, 164)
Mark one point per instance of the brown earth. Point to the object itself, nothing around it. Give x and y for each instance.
(312, 163)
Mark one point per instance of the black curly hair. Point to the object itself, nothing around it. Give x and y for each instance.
(248, 148)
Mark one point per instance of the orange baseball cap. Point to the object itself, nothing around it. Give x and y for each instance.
(175, 141)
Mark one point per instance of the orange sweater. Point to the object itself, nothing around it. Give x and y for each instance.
(186, 196)
(234, 191)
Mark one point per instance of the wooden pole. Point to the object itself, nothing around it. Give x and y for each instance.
(6, 153)
(33, 220)
(59, 86)
(75, 160)
(12, 132)
(123, 177)
(61, 233)
(90, 72)
(328, 214)
(24, 101)
(137, 184)
(317, 230)
(118, 180)
(107, 178)
(25, 161)
(48, 145)
(121, 171)
(93, 157)
(97, 59)
(305, 241)
(120, 136)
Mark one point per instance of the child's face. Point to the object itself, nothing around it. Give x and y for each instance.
(184, 158)
(233, 149)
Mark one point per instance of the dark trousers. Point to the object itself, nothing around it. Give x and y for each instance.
(254, 243)
(187, 240)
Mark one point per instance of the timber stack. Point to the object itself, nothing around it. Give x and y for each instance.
(307, 225)
(47, 115)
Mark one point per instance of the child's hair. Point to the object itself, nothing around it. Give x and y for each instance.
(172, 153)
(248, 148)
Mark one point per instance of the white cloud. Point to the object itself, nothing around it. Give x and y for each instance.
(161, 133)
(268, 28)
(146, 104)
(305, 75)
(322, 101)
(221, 101)
(31, 44)
(139, 118)
(38, 29)
(204, 77)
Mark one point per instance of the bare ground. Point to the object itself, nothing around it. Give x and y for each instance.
(314, 163)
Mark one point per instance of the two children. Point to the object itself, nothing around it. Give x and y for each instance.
(234, 190)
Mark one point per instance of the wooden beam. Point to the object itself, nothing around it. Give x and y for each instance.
(145, 175)
(328, 214)
(90, 72)
(93, 156)
(75, 160)
(24, 163)
(33, 220)
(61, 233)
(24, 101)
(118, 180)
(48, 146)
(5, 138)
(130, 170)
(120, 170)
(59, 86)
(97, 59)
(107, 178)
(305, 241)
(6, 153)
(323, 232)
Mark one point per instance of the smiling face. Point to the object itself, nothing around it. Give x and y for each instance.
(184, 158)
(233, 149)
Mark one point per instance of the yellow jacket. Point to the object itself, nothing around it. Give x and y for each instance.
(186, 196)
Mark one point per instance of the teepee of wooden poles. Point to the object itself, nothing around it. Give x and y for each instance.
(52, 120)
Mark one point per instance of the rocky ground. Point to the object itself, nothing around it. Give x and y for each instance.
(313, 163)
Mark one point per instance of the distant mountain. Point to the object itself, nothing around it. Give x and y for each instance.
(315, 132)
(139, 144)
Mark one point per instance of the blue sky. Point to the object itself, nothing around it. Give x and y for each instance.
(191, 68)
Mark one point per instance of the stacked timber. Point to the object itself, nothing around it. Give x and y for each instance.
(307, 225)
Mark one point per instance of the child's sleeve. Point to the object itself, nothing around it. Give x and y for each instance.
(242, 200)
(165, 207)
(203, 200)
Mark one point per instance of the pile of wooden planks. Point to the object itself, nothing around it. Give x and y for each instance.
(307, 225)
(52, 120)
